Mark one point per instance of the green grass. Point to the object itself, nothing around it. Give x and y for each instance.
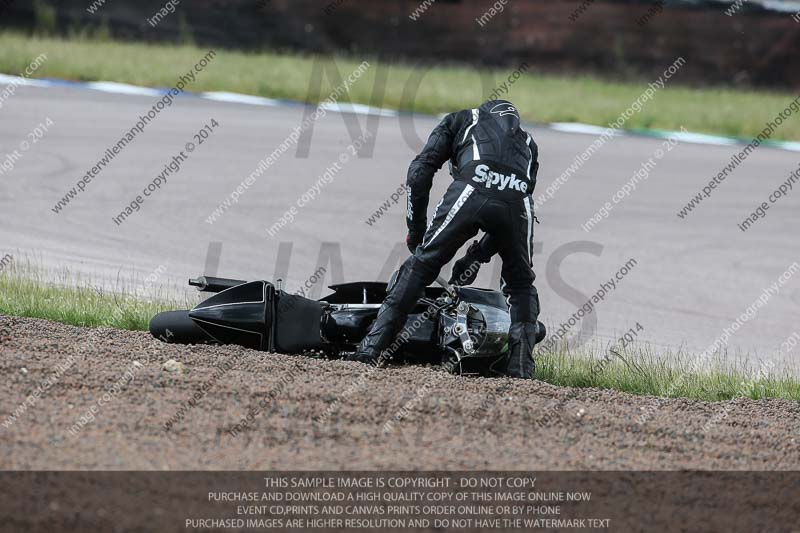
(24, 291)
(541, 98)
(637, 371)
(70, 300)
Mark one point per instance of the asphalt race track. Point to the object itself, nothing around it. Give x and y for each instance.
(691, 279)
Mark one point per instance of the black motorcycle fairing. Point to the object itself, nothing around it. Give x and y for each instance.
(368, 292)
(477, 295)
(297, 324)
(178, 328)
(467, 325)
(345, 326)
(239, 315)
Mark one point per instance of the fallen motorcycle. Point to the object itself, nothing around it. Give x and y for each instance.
(464, 329)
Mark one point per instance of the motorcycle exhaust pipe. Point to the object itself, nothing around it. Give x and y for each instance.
(212, 284)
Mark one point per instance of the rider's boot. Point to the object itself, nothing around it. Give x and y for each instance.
(387, 325)
(521, 340)
(402, 295)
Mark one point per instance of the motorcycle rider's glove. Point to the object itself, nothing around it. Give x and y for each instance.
(465, 270)
(414, 239)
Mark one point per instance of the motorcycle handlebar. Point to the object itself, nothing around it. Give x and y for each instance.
(447, 287)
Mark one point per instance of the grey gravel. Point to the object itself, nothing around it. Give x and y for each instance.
(333, 414)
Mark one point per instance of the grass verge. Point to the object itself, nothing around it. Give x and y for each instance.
(70, 300)
(637, 371)
(541, 98)
(23, 293)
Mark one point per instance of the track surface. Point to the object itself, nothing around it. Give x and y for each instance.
(693, 277)
(318, 419)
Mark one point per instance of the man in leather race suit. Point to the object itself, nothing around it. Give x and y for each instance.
(494, 166)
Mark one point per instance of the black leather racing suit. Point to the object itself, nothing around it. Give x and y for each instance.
(494, 165)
